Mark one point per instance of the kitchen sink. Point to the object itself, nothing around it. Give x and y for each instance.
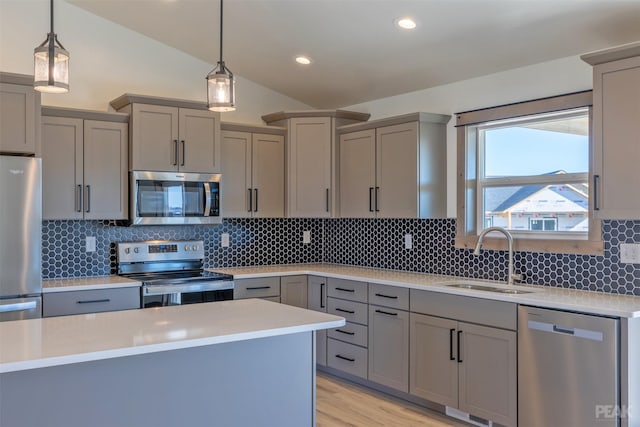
(486, 288)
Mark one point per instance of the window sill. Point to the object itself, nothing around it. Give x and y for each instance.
(580, 247)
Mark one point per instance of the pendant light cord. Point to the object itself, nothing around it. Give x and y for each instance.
(220, 30)
(51, 16)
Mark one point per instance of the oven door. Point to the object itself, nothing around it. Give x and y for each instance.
(175, 198)
(167, 294)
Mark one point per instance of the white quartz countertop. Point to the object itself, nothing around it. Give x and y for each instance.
(542, 296)
(87, 283)
(38, 343)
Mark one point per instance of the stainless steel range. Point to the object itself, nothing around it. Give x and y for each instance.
(172, 273)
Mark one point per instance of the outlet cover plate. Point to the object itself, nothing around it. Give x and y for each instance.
(630, 253)
(306, 237)
(224, 240)
(90, 244)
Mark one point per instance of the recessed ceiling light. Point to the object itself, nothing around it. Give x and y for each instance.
(303, 60)
(406, 23)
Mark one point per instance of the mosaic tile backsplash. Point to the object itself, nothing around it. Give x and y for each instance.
(363, 242)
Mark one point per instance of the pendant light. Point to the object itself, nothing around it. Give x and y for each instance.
(51, 64)
(221, 94)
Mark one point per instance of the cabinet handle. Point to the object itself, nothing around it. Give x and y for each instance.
(183, 152)
(345, 311)
(451, 356)
(459, 349)
(94, 301)
(377, 197)
(250, 200)
(370, 199)
(345, 332)
(88, 198)
(596, 179)
(322, 295)
(348, 359)
(255, 208)
(79, 198)
(175, 153)
(345, 290)
(326, 201)
(255, 288)
(387, 296)
(388, 313)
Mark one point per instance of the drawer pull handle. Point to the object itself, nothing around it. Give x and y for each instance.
(348, 359)
(345, 290)
(345, 311)
(94, 301)
(256, 288)
(387, 296)
(388, 313)
(345, 332)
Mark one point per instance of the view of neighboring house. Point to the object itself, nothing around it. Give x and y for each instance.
(555, 207)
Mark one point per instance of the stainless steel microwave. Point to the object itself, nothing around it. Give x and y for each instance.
(169, 198)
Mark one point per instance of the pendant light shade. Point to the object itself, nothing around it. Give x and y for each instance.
(51, 64)
(221, 93)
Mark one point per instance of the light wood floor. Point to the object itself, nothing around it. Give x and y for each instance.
(339, 403)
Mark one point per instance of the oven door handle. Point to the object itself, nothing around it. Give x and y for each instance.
(217, 285)
(207, 198)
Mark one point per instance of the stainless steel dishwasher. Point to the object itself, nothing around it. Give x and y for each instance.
(568, 369)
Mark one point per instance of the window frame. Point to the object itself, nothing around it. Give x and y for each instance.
(468, 175)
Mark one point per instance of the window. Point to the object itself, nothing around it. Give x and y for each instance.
(526, 169)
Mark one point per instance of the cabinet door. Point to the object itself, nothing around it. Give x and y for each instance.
(235, 185)
(261, 287)
(397, 171)
(105, 170)
(309, 166)
(293, 290)
(268, 175)
(389, 347)
(616, 109)
(62, 181)
(199, 140)
(433, 366)
(488, 373)
(18, 118)
(317, 300)
(357, 174)
(154, 138)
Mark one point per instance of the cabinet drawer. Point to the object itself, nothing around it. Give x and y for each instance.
(389, 296)
(348, 289)
(467, 309)
(352, 311)
(347, 357)
(257, 288)
(351, 333)
(81, 302)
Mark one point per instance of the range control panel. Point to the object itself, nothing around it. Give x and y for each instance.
(160, 250)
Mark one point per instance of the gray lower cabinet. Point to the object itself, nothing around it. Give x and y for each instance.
(463, 364)
(346, 357)
(262, 287)
(293, 290)
(389, 347)
(92, 301)
(317, 300)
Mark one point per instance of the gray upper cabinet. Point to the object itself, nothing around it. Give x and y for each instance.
(253, 171)
(394, 168)
(616, 130)
(171, 135)
(293, 290)
(19, 114)
(84, 164)
(311, 158)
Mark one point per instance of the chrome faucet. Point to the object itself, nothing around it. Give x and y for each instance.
(510, 275)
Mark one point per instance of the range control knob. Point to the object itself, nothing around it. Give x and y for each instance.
(136, 250)
(186, 247)
(127, 250)
(195, 247)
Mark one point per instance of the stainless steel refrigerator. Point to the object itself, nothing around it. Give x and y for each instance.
(20, 238)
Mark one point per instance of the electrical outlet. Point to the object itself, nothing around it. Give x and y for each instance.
(306, 237)
(224, 240)
(630, 253)
(90, 244)
(408, 241)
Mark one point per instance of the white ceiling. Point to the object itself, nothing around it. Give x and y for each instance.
(359, 55)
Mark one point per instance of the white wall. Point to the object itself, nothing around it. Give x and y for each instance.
(108, 60)
(551, 78)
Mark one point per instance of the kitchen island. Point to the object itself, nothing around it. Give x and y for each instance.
(245, 362)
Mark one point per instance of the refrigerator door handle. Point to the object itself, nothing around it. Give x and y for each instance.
(19, 306)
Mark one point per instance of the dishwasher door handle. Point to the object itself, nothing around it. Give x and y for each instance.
(574, 332)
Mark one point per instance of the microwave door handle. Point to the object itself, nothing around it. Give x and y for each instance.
(207, 198)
